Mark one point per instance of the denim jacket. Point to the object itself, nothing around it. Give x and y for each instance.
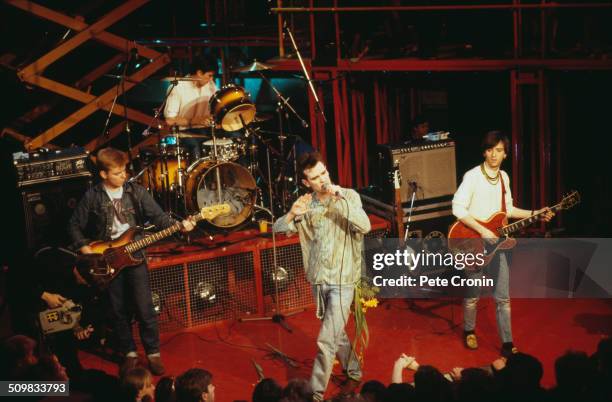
(92, 219)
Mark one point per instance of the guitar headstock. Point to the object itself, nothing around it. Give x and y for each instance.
(570, 200)
(214, 210)
(397, 176)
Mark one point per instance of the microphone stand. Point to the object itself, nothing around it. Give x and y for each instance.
(297, 52)
(414, 190)
(146, 132)
(283, 106)
(277, 317)
(120, 84)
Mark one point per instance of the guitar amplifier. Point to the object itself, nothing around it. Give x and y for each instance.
(426, 167)
(45, 166)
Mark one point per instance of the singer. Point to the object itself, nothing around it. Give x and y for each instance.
(331, 223)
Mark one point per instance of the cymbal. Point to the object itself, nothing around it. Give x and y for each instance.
(260, 117)
(188, 135)
(170, 79)
(254, 66)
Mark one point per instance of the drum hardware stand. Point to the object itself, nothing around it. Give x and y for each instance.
(217, 173)
(283, 108)
(277, 317)
(122, 78)
(312, 90)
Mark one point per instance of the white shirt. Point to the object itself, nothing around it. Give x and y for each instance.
(479, 198)
(118, 227)
(188, 100)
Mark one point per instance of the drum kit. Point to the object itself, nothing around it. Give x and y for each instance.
(226, 167)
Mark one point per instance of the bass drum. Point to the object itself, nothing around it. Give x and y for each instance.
(238, 190)
(232, 108)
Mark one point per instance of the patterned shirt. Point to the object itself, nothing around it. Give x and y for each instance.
(331, 256)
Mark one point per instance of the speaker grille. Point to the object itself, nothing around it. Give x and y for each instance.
(47, 209)
(433, 171)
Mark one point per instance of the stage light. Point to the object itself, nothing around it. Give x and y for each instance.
(205, 292)
(281, 277)
(157, 300)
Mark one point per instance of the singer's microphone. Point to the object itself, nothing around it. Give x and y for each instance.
(327, 188)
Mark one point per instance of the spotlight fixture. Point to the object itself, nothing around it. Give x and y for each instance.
(205, 292)
(157, 300)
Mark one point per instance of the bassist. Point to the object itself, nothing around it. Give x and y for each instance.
(484, 191)
(105, 213)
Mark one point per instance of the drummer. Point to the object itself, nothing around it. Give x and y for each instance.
(187, 106)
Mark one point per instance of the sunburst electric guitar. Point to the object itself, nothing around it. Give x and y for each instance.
(111, 257)
(463, 239)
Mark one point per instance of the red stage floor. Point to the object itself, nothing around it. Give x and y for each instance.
(428, 330)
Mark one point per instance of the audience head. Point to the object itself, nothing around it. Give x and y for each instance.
(373, 391)
(475, 385)
(603, 357)
(17, 355)
(522, 373)
(48, 368)
(431, 385)
(297, 390)
(267, 390)
(164, 390)
(399, 393)
(194, 385)
(573, 371)
(137, 385)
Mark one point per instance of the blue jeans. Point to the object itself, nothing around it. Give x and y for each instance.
(499, 271)
(131, 288)
(335, 302)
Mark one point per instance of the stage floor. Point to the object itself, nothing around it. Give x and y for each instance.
(428, 330)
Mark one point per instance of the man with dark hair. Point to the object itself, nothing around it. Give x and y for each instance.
(187, 105)
(420, 127)
(331, 223)
(105, 212)
(267, 390)
(484, 191)
(297, 390)
(194, 385)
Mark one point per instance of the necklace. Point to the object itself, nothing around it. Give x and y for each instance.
(492, 180)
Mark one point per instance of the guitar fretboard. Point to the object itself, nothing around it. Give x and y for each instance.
(518, 225)
(162, 234)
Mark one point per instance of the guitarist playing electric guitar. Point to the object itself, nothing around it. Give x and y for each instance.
(484, 191)
(107, 211)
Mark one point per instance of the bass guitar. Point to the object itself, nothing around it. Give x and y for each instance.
(111, 257)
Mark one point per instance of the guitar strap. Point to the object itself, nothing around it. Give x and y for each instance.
(503, 189)
(136, 205)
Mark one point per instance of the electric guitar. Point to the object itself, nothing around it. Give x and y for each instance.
(463, 239)
(399, 211)
(111, 257)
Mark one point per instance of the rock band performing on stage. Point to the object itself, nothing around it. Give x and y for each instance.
(289, 201)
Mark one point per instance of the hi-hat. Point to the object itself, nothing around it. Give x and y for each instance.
(254, 66)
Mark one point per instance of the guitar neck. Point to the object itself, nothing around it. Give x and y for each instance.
(155, 237)
(520, 224)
